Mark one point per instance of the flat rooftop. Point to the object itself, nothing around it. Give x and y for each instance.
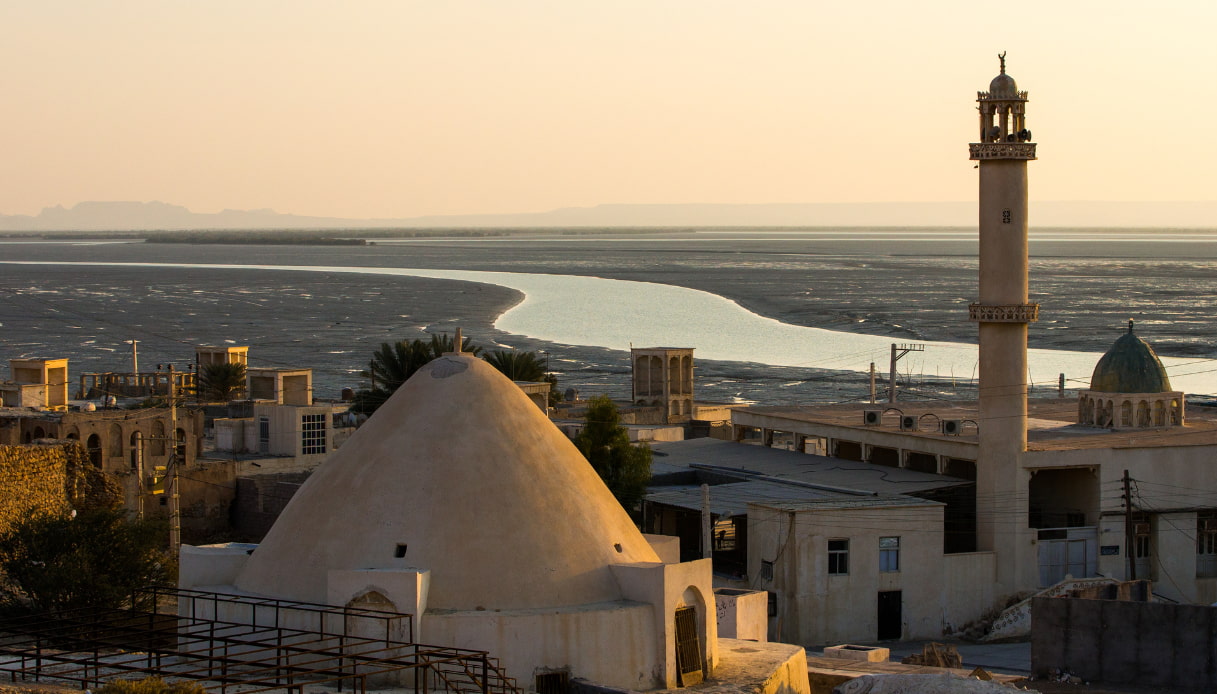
(1051, 423)
(746, 461)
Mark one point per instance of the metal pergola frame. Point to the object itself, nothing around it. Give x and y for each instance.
(89, 647)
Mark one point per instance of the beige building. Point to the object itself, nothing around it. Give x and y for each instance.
(458, 502)
(663, 378)
(1118, 482)
(36, 383)
(849, 551)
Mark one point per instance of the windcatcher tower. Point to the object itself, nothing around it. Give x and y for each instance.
(1003, 312)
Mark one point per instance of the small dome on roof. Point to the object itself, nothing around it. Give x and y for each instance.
(1130, 366)
(1003, 87)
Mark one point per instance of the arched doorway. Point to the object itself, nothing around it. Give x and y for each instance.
(116, 441)
(93, 446)
(690, 623)
(137, 449)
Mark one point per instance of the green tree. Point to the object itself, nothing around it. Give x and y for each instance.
(220, 381)
(625, 468)
(95, 559)
(442, 342)
(516, 365)
(393, 363)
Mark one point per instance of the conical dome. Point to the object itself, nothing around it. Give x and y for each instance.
(1130, 366)
(458, 473)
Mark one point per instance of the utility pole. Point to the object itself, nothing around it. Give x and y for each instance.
(1060, 387)
(1128, 529)
(134, 356)
(898, 351)
(872, 382)
(707, 546)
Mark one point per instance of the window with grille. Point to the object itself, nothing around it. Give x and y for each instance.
(838, 557)
(264, 434)
(1206, 544)
(312, 434)
(889, 554)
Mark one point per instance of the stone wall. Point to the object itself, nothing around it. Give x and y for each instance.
(33, 480)
(1126, 642)
(49, 478)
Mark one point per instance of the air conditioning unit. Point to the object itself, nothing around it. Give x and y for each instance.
(872, 418)
(908, 423)
(952, 427)
(1141, 528)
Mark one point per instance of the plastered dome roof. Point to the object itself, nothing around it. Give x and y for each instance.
(1130, 366)
(465, 476)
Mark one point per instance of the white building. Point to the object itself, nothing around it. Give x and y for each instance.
(460, 503)
(1117, 483)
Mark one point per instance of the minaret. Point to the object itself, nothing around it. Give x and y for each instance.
(1003, 312)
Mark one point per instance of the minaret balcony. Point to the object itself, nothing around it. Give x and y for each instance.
(1009, 313)
(1001, 150)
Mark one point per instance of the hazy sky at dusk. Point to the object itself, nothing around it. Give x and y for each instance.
(403, 108)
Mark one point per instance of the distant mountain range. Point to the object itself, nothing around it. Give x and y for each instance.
(146, 216)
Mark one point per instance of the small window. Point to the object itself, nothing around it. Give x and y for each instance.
(838, 557)
(1206, 544)
(400, 551)
(889, 554)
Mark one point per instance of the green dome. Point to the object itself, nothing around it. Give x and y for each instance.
(1130, 366)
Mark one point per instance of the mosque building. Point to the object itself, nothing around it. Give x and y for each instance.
(1119, 483)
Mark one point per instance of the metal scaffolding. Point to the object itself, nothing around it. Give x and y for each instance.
(240, 644)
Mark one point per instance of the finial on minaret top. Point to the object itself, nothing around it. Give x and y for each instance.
(1130, 326)
(1002, 57)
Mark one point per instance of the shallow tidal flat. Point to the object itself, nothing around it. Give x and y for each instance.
(911, 285)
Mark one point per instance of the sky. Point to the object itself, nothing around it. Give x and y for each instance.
(405, 108)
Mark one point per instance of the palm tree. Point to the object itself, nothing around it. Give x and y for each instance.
(220, 381)
(442, 342)
(518, 366)
(393, 363)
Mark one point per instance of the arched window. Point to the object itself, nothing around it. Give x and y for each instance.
(137, 449)
(93, 446)
(1126, 413)
(1143, 414)
(116, 441)
(158, 438)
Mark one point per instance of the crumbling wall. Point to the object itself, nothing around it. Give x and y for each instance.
(1127, 642)
(32, 481)
(50, 478)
